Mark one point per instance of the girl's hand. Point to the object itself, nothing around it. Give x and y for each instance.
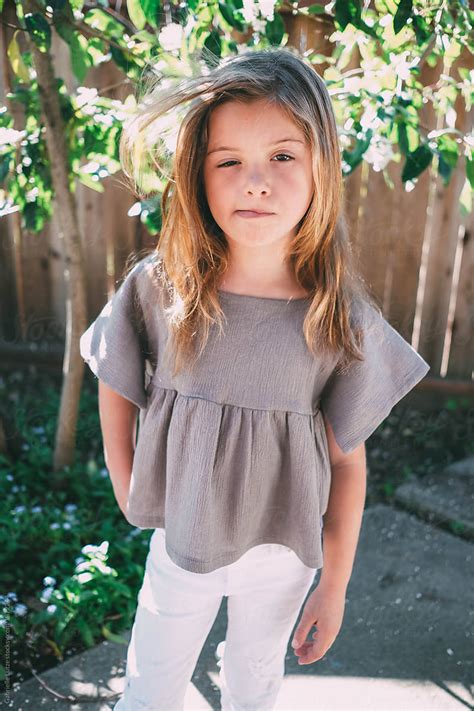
(325, 609)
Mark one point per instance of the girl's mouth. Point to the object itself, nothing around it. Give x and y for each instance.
(251, 213)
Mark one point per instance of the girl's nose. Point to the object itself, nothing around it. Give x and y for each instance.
(257, 183)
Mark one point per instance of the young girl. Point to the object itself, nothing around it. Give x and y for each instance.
(258, 365)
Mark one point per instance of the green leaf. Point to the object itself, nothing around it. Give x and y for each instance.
(422, 29)
(402, 137)
(80, 61)
(351, 13)
(112, 636)
(228, 13)
(125, 61)
(316, 10)
(87, 180)
(275, 30)
(136, 13)
(417, 162)
(402, 14)
(64, 29)
(64, 22)
(85, 632)
(448, 152)
(353, 158)
(470, 170)
(57, 5)
(465, 198)
(347, 12)
(151, 9)
(5, 162)
(213, 42)
(39, 30)
(16, 60)
(100, 20)
(444, 169)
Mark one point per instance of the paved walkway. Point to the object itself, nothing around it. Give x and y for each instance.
(406, 643)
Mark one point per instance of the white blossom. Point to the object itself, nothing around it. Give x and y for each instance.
(170, 37)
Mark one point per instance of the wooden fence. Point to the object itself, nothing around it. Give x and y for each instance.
(414, 248)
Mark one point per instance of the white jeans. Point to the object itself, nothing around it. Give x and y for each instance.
(266, 589)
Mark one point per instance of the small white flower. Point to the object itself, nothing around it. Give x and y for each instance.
(86, 95)
(83, 565)
(267, 8)
(20, 610)
(55, 526)
(249, 10)
(51, 609)
(46, 594)
(170, 37)
(89, 548)
(49, 580)
(66, 525)
(19, 509)
(379, 154)
(10, 135)
(9, 477)
(12, 596)
(36, 509)
(84, 577)
(259, 26)
(70, 508)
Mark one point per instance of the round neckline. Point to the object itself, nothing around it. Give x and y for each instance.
(262, 298)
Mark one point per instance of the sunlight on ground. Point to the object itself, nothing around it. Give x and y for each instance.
(326, 693)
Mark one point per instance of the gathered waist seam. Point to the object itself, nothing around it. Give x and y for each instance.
(154, 386)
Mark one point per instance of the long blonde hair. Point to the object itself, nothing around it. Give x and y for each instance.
(192, 250)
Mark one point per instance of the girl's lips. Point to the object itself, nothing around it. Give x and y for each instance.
(250, 213)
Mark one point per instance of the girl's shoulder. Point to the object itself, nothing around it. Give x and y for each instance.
(147, 278)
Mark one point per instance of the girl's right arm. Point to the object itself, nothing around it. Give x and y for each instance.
(118, 421)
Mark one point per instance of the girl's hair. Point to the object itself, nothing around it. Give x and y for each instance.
(192, 250)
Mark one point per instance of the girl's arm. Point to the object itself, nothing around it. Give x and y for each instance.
(342, 521)
(118, 421)
(343, 517)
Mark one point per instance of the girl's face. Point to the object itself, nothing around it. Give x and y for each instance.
(252, 165)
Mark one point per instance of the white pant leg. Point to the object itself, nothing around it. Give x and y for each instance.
(263, 609)
(175, 613)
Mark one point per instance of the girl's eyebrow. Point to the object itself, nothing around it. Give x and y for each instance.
(282, 140)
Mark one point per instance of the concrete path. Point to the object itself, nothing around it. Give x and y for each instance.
(406, 643)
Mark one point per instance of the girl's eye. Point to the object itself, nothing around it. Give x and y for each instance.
(284, 155)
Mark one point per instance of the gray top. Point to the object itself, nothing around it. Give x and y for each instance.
(234, 453)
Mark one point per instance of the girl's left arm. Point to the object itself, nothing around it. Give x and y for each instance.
(343, 517)
(324, 608)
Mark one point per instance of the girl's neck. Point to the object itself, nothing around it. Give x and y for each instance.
(262, 272)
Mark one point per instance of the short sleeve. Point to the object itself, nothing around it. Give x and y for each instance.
(115, 345)
(356, 401)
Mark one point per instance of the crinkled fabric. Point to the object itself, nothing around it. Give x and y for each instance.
(233, 452)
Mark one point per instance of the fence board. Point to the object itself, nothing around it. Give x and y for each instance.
(442, 249)
(407, 243)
